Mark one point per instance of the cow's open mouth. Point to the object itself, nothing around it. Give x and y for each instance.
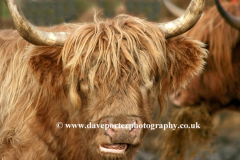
(113, 148)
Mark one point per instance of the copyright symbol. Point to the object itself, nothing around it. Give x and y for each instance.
(59, 125)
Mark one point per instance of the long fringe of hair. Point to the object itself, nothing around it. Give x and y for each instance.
(116, 52)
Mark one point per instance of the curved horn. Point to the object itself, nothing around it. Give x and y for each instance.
(186, 21)
(30, 33)
(173, 8)
(232, 20)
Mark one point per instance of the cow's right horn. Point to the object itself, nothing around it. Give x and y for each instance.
(30, 32)
(232, 20)
(186, 21)
(175, 10)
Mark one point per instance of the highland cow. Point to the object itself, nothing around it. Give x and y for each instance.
(215, 89)
(104, 72)
(218, 86)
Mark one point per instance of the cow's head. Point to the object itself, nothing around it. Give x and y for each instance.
(112, 71)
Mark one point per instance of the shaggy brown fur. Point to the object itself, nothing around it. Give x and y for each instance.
(218, 86)
(183, 144)
(113, 68)
(221, 38)
(219, 83)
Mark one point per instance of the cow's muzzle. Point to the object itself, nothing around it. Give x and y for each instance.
(123, 133)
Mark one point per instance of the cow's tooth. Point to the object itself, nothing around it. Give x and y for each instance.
(116, 148)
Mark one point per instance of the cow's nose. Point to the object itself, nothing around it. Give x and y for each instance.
(123, 130)
(128, 129)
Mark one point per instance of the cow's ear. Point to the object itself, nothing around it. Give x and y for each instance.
(185, 59)
(46, 66)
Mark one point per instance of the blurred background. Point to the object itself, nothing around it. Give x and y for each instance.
(53, 12)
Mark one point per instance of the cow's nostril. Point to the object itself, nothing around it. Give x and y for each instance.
(110, 132)
(134, 132)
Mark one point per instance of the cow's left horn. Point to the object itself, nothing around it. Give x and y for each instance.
(30, 32)
(186, 21)
(232, 20)
(175, 10)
